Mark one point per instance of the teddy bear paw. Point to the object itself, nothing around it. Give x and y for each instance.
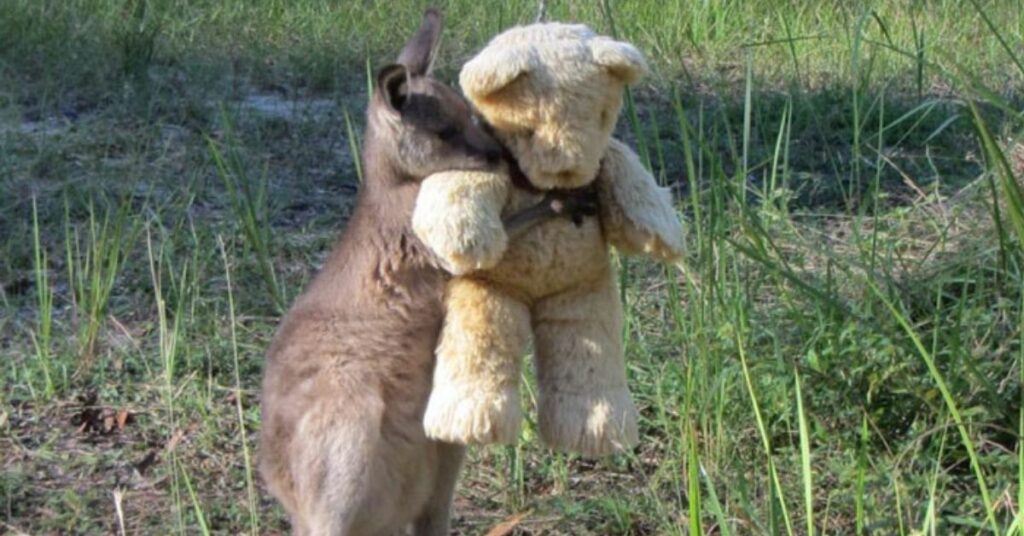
(467, 250)
(473, 416)
(592, 424)
(670, 247)
(481, 254)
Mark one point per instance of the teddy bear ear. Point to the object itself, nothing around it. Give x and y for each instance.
(623, 60)
(490, 72)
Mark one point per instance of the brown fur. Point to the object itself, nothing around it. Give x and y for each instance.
(349, 370)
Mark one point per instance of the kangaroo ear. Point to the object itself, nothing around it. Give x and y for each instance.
(622, 60)
(490, 72)
(421, 50)
(393, 85)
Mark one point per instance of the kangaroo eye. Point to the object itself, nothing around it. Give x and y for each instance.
(447, 133)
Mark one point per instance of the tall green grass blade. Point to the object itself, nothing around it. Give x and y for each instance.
(691, 166)
(930, 520)
(805, 455)
(353, 145)
(243, 436)
(369, 81)
(44, 302)
(197, 504)
(761, 427)
(747, 111)
(693, 491)
(999, 36)
(862, 464)
(778, 162)
(716, 505)
(1019, 518)
(167, 344)
(250, 211)
(93, 259)
(898, 494)
(947, 397)
(1001, 168)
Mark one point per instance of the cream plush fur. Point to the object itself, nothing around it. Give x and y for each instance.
(553, 93)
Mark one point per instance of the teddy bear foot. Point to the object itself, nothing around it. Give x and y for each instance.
(591, 424)
(471, 416)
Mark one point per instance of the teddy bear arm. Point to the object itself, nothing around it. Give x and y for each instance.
(637, 215)
(458, 217)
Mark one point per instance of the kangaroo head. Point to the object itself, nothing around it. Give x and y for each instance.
(425, 125)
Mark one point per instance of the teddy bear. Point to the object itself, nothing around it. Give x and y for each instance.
(552, 93)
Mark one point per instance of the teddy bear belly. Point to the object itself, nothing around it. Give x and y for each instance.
(553, 257)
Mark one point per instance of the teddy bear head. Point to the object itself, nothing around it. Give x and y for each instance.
(553, 93)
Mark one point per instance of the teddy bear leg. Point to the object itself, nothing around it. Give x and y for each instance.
(584, 405)
(475, 396)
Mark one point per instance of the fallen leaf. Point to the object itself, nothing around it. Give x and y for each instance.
(122, 418)
(506, 527)
(175, 439)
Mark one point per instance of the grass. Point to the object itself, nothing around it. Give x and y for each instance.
(840, 353)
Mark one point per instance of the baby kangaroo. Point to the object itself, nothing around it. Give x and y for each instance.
(349, 371)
